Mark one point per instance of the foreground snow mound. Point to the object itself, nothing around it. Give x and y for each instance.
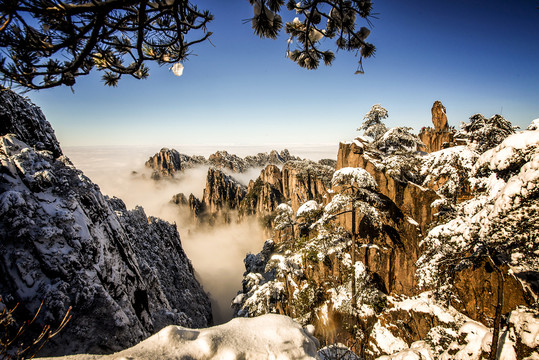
(266, 337)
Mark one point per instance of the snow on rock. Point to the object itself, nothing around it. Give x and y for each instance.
(445, 170)
(124, 275)
(425, 304)
(307, 208)
(418, 350)
(271, 336)
(357, 177)
(503, 210)
(337, 351)
(385, 342)
(26, 121)
(534, 125)
(520, 340)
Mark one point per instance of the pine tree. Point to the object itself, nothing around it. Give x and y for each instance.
(373, 126)
(49, 43)
(485, 133)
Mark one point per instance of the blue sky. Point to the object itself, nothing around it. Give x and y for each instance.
(474, 56)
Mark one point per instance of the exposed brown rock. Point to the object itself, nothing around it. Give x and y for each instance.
(305, 180)
(168, 162)
(390, 254)
(441, 136)
(439, 117)
(264, 194)
(298, 182)
(222, 192)
(476, 289)
(435, 141)
(414, 200)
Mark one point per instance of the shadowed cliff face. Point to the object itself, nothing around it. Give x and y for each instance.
(125, 275)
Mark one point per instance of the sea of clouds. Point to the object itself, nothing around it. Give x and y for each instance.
(216, 252)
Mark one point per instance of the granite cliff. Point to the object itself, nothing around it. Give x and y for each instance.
(226, 199)
(125, 275)
(442, 136)
(168, 162)
(408, 254)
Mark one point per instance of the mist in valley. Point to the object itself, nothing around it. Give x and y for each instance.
(217, 252)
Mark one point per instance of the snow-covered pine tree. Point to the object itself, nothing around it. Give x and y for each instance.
(373, 126)
(485, 133)
(398, 139)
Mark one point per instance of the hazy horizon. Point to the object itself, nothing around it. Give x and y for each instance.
(474, 56)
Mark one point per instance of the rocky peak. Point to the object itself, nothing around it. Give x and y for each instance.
(414, 200)
(222, 159)
(439, 116)
(167, 162)
(26, 121)
(124, 275)
(305, 180)
(441, 136)
(271, 175)
(222, 192)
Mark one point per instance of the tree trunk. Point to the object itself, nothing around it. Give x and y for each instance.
(353, 257)
(498, 315)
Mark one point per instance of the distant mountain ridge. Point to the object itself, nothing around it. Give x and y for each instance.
(167, 162)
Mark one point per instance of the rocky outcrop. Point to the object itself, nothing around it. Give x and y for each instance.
(476, 291)
(414, 200)
(435, 141)
(26, 122)
(234, 163)
(273, 158)
(264, 194)
(441, 137)
(224, 160)
(61, 241)
(168, 162)
(309, 278)
(298, 182)
(305, 180)
(222, 192)
(439, 117)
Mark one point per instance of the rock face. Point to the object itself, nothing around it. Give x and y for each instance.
(309, 278)
(390, 267)
(414, 200)
(222, 192)
(476, 292)
(298, 182)
(27, 123)
(305, 180)
(264, 194)
(124, 275)
(222, 159)
(168, 162)
(441, 136)
(439, 117)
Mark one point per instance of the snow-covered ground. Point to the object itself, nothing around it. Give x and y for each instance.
(270, 336)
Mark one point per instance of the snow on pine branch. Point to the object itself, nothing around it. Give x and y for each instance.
(503, 215)
(356, 177)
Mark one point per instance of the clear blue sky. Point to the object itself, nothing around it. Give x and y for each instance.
(474, 56)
